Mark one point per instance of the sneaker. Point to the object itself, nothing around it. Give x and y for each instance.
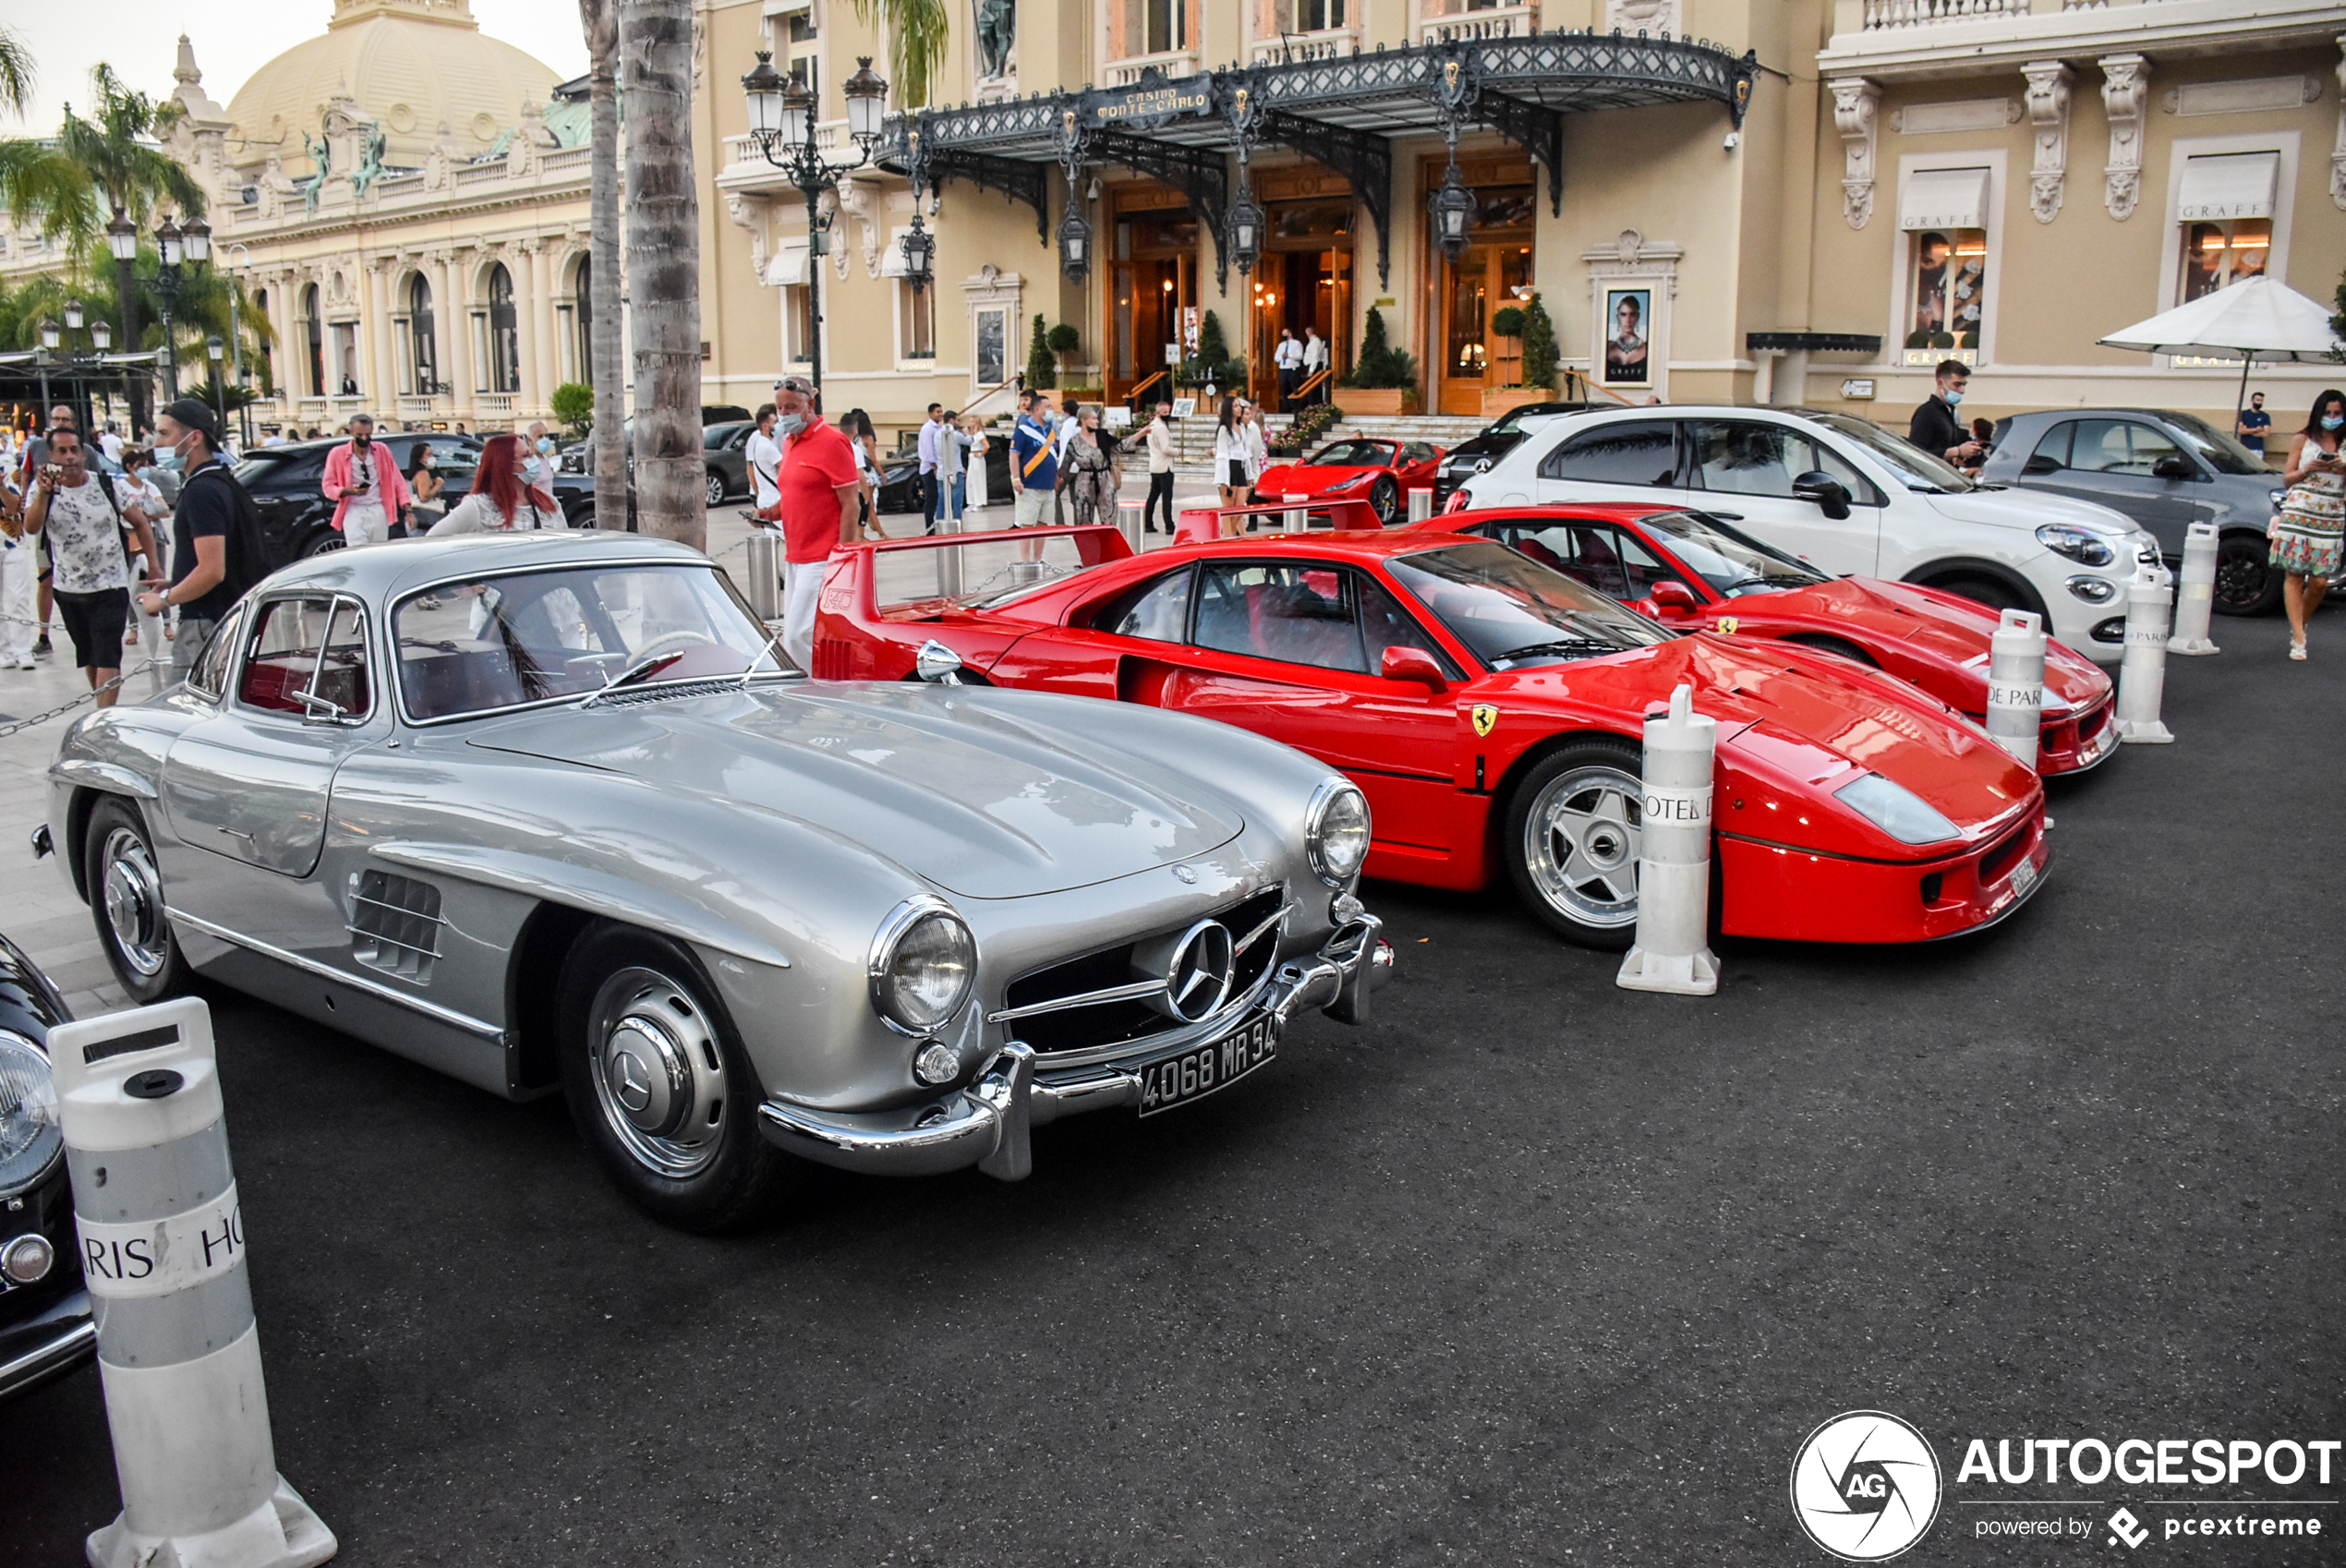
(42, 646)
(24, 661)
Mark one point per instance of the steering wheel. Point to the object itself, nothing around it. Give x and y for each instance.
(662, 652)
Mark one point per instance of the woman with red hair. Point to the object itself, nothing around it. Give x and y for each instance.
(503, 499)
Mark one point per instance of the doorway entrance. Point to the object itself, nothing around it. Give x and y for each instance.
(1302, 281)
(1468, 354)
(1152, 315)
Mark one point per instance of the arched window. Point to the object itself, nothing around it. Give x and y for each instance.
(504, 333)
(421, 354)
(314, 331)
(586, 320)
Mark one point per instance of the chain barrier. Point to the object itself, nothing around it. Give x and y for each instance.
(91, 695)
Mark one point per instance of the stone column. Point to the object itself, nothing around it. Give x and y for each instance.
(284, 352)
(462, 377)
(374, 341)
(542, 323)
(446, 313)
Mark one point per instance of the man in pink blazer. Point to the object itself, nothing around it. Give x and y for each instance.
(364, 482)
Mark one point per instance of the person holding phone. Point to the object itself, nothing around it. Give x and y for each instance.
(364, 482)
(2310, 534)
(83, 517)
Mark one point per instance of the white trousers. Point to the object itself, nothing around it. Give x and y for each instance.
(802, 588)
(20, 575)
(365, 525)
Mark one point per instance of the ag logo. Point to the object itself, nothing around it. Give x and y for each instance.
(1486, 718)
(1864, 1486)
(1727, 624)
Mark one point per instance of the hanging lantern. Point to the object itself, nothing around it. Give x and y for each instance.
(1075, 245)
(1246, 222)
(1453, 209)
(920, 251)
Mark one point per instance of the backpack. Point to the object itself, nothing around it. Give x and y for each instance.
(246, 558)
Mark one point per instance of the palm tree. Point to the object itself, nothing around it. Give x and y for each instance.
(916, 31)
(663, 240)
(599, 20)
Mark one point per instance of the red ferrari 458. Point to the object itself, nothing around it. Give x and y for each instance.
(1491, 709)
(1693, 571)
(1381, 473)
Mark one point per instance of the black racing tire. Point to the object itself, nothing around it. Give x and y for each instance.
(322, 542)
(1597, 781)
(716, 487)
(1824, 641)
(1982, 588)
(691, 1156)
(124, 887)
(2246, 582)
(1384, 499)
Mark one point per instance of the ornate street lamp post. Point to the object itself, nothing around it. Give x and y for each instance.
(122, 243)
(781, 122)
(212, 349)
(185, 250)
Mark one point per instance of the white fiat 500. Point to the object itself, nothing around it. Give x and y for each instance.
(1847, 497)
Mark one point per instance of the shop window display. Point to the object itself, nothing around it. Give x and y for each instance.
(1949, 289)
(2216, 255)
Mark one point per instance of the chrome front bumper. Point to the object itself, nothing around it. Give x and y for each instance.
(58, 1338)
(986, 1124)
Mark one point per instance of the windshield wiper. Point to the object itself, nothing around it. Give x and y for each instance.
(1561, 645)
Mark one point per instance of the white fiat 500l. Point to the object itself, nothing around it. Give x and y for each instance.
(1847, 497)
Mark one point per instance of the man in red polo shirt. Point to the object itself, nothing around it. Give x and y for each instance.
(819, 485)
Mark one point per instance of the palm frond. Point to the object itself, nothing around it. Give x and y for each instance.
(18, 72)
(40, 185)
(916, 31)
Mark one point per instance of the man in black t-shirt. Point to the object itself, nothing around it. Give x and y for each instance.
(215, 531)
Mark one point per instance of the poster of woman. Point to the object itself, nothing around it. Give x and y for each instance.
(1629, 312)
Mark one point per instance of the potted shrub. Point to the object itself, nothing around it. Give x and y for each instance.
(1042, 369)
(1383, 380)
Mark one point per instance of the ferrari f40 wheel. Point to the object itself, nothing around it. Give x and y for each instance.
(126, 896)
(659, 1085)
(1572, 834)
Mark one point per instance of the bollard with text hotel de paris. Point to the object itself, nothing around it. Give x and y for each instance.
(2017, 683)
(1673, 952)
(163, 1253)
(1420, 503)
(2196, 599)
(2142, 670)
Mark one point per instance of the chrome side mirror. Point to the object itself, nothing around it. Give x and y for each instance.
(938, 665)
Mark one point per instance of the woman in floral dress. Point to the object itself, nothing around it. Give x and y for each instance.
(2307, 535)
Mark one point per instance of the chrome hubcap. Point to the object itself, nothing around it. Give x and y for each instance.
(659, 1075)
(1581, 843)
(133, 893)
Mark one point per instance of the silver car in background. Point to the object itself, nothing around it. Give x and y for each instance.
(2163, 469)
(544, 812)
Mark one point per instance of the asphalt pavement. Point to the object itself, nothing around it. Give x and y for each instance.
(1531, 1269)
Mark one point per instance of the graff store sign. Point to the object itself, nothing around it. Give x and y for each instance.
(1147, 108)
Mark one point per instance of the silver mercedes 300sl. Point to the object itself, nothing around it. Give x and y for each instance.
(546, 811)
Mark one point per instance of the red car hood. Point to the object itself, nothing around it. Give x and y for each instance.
(1941, 627)
(1307, 479)
(1801, 723)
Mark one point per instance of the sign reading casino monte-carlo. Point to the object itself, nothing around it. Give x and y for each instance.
(1149, 106)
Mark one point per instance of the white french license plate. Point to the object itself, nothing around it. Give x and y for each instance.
(2024, 876)
(1202, 1070)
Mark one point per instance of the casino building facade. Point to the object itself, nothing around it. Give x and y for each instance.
(1748, 200)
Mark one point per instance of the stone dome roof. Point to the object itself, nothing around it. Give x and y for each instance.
(412, 65)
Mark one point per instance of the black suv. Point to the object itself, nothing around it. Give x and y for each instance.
(297, 520)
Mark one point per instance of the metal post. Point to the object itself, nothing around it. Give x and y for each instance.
(41, 358)
(126, 290)
(237, 342)
(814, 273)
(170, 358)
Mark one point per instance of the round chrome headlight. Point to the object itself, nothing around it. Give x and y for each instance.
(924, 962)
(1336, 832)
(29, 1135)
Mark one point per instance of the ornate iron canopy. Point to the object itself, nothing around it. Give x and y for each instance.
(1340, 113)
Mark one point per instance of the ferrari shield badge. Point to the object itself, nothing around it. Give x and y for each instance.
(1727, 624)
(1486, 718)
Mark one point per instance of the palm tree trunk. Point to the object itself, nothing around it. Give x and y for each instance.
(663, 243)
(608, 363)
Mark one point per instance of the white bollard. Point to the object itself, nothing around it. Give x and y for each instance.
(2017, 683)
(1673, 952)
(163, 1254)
(1420, 503)
(1128, 518)
(1298, 519)
(2196, 600)
(2142, 670)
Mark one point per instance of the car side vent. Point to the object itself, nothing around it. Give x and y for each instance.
(395, 925)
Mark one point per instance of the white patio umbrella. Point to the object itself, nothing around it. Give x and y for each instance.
(2257, 319)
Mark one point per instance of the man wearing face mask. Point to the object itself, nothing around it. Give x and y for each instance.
(819, 488)
(216, 551)
(1935, 427)
(541, 456)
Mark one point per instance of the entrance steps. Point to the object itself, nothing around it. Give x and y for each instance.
(1193, 438)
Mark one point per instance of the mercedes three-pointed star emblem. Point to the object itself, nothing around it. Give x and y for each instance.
(1197, 979)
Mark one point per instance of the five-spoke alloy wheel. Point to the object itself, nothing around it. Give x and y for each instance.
(1571, 839)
